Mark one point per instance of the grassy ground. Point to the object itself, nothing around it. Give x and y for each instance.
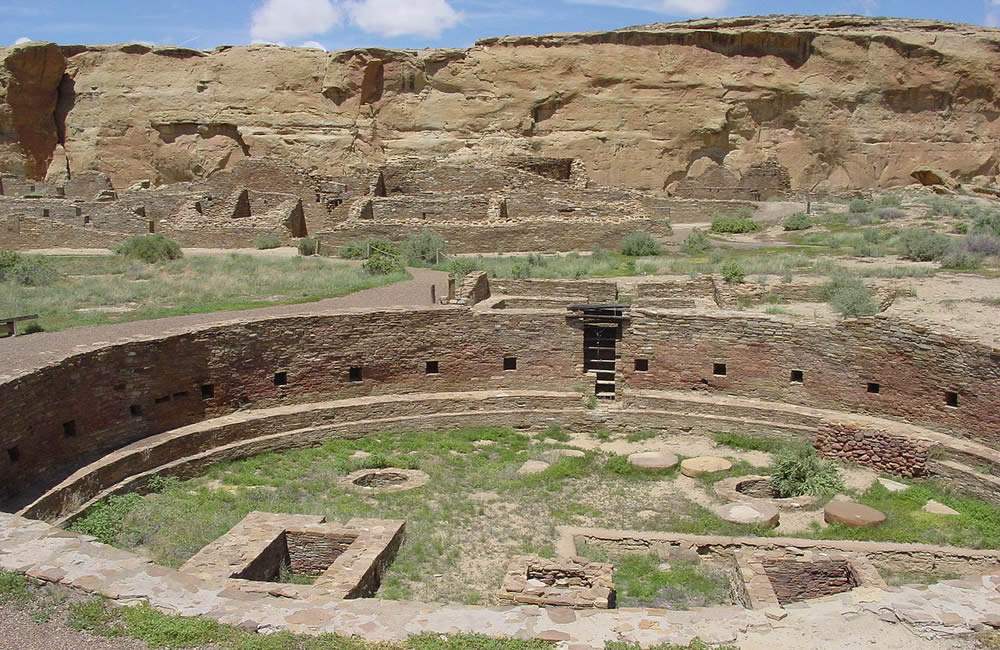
(94, 290)
(477, 511)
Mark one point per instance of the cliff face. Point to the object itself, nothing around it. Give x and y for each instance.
(840, 101)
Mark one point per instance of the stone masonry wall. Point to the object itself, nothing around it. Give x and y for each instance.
(312, 553)
(797, 581)
(591, 290)
(879, 450)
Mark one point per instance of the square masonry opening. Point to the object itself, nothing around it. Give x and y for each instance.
(797, 377)
(795, 581)
(296, 556)
(510, 363)
(135, 411)
(281, 378)
(69, 428)
(14, 454)
(207, 391)
(951, 398)
(642, 365)
(719, 369)
(355, 373)
(431, 368)
(874, 388)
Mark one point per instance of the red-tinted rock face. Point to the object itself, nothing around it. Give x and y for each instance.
(29, 93)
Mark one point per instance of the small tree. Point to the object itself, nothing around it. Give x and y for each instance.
(149, 248)
(425, 247)
(308, 246)
(733, 272)
(639, 243)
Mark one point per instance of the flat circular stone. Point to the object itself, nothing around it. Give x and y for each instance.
(695, 467)
(652, 460)
(750, 514)
(533, 467)
(852, 514)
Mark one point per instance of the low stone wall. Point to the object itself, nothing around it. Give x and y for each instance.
(590, 290)
(560, 582)
(872, 447)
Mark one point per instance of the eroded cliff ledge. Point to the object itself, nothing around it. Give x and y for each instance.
(841, 101)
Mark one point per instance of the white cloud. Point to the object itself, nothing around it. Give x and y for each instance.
(398, 17)
(992, 18)
(688, 7)
(23, 39)
(278, 19)
(314, 45)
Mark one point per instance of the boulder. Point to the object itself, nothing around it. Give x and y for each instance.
(533, 467)
(934, 176)
(701, 465)
(652, 460)
(852, 514)
(892, 486)
(938, 508)
(757, 513)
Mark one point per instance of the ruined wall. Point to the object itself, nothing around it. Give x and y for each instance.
(916, 369)
(857, 443)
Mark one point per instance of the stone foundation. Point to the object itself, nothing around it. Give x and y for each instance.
(561, 582)
(873, 448)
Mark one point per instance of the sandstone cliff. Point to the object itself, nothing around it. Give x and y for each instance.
(840, 101)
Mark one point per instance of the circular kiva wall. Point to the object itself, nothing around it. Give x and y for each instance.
(204, 395)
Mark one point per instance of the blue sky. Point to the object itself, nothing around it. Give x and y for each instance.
(338, 24)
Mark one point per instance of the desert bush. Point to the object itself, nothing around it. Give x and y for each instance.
(382, 264)
(960, 227)
(799, 471)
(958, 259)
(639, 243)
(982, 243)
(462, 266)
(888, 201)
(696, 243)
(858, 206)
(987, 223)
(861, 219)
(8, 259)
(425, 247)
(31, 271)
(308, 246)
(922, 245)
(849, 297)
(149, 248)
(268, 241)
(727, 223)
(798, 221)
(733, 272)
(354, 250)
(32, 328)
(889, 214)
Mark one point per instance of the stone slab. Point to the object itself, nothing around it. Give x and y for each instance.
(852, 514)
(653, 460)
(701, 465)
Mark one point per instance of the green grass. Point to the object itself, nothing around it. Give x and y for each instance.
(749, 443)
(160, 630)
(190, 285)
(645, 580)
(977, 525)
(15, 587)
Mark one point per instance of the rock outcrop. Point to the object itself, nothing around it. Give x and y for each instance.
(839, 101)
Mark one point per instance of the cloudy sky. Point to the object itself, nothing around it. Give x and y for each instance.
(337, 24)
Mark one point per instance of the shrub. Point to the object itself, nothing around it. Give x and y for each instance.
(425, 247)
(725, 223)
(462, 266)
(798, 221)
(888, 201)
(8, 260)
(922, 245)
(267, 241)
(849, 297)
(640, 243)
(987, 223)
(308, 246)
(381, 264)
(982, 244)
(32, 328)
(696, 243)
(27, 270)
(149, 248)
(959, 259)
(859, 206)
(733, 272)
(889, 214)
(355, 250)
(960, 227)
(104, 520)
(799, 471)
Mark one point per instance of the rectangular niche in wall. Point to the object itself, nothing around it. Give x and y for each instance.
(14, 454)
(207, 391)
(951, 398)
(431, 368)
(510, 363)
(135, 411)
(69, 429)
(719, 369)
(354, 374)
(641, 365)
(281, 378)
(797, 377)
(874, 388)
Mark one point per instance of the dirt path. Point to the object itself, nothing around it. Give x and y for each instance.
(26, 352)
